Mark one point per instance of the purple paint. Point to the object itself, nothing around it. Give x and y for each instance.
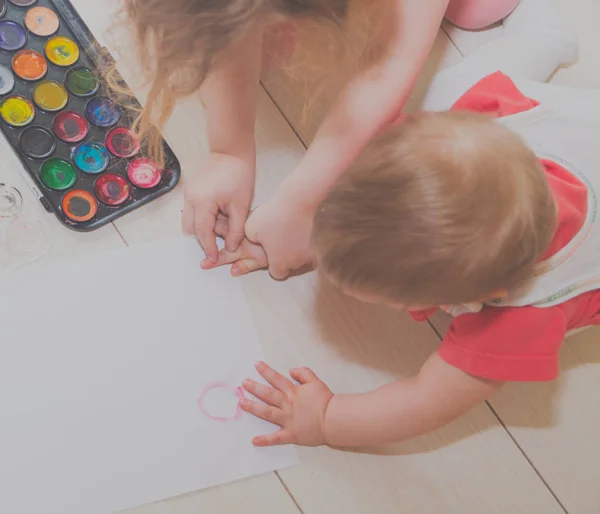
(12, 36)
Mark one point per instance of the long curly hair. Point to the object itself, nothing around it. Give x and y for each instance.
(179, 43)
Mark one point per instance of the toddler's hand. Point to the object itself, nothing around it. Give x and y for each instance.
(283, 228)
(247, 258)
(225, 184)
(298, 409)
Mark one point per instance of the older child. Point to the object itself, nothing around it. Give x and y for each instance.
(488, 210)
(218, 45)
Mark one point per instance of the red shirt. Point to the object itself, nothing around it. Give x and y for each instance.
(520, 343)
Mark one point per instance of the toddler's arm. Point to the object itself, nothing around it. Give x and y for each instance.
(405, 408)
(534, 43)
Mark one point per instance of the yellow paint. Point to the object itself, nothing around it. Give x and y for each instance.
(62, 51)
(50, 96)
(17, 111)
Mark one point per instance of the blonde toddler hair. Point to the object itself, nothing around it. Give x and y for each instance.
(444, 208)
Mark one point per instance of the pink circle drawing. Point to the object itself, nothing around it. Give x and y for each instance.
(238, 392)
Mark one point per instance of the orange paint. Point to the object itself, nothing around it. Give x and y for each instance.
(29, 65)
(79, 205)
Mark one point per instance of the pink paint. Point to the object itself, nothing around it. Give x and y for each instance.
(237, 391)
(144, 173)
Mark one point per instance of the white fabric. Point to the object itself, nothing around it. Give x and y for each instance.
(565, 128)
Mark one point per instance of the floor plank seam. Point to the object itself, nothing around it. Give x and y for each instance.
(451, 40)
(287, 489)
(287, 120)
(120, 235)
(537, 472)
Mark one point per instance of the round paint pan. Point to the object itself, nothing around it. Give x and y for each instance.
(29, 65)
(23, 3)
(41, 21)
(2, 8)
(112, 189)
(11, 201)
(82, 82)
(62, 51)
(58, 174)
(17, 111)
(91, 158)
(7, 80)
(12, 36)
(102, 112)
(79, 206)
(122, 143)
(37, 142)
(50, 96)
(70, 127)
(144, 173)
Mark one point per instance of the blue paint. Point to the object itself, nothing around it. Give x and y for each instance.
(91, 157)
(102, 112)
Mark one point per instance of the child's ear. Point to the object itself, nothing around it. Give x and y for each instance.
(497, 296)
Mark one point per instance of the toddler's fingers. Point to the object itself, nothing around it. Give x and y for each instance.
(245, 266)
(283, 436)
(265, 393)
(304, 375)
(277, 380)
(225, 257)
(263, 411)
(235, 229)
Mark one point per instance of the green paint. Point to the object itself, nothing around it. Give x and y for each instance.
(58, 174)
(82, 82)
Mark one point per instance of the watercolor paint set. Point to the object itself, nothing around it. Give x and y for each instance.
(56, 113)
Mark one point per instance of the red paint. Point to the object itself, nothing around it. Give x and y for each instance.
(70, 127)
(112, 189)
(122, 143)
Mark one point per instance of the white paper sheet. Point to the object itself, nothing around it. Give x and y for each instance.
(103, 363)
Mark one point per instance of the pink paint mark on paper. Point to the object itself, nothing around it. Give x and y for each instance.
(238, 392)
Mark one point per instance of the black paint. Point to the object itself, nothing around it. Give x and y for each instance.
(37, 143)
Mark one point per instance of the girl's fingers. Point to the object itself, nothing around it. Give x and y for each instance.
(262, 411)
(283, 436)
(221, 225)
(304, 375)
(265, 393)
(205, 222)
(235, 230)
(277, 380)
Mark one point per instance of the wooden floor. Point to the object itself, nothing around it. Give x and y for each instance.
(533, 449)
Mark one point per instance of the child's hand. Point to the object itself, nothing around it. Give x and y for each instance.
(298, 409)
(283, 227)
(225, 185)
(247, 258)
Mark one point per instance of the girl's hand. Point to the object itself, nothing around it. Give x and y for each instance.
(283, 228)
(225, 184)
(298, 409)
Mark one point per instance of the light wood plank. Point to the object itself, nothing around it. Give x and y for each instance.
(257, 495)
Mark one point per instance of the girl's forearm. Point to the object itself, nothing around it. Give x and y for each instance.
(229, 96)
(368, 103)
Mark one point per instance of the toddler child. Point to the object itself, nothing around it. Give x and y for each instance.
(486, 206)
